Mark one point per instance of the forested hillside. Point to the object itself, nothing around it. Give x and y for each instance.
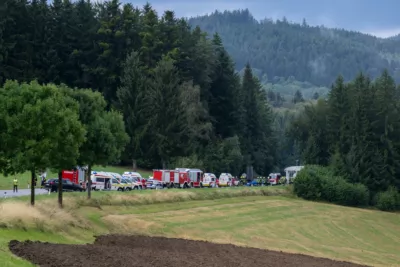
(283, 52)
(182, 101)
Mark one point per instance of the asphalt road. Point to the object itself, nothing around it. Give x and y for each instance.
(21, 192)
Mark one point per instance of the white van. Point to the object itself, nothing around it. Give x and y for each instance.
(225, 179)
(105, 181)
(135, 178)
(124, 181)
(209, 180)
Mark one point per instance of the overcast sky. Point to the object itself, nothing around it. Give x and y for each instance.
(380, 18)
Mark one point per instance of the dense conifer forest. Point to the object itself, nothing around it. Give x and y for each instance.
(183, 102)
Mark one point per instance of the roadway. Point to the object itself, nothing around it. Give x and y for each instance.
(21, 192)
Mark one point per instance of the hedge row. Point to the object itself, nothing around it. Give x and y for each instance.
(320, 184)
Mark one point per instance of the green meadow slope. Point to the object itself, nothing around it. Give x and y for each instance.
(266, 218)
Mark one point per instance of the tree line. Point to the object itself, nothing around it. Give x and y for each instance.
(356, 133)
(181, 99)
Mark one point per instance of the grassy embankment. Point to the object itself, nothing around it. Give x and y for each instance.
(23, 178)
(257, 217)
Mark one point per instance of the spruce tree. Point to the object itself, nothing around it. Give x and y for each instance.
(223, 90)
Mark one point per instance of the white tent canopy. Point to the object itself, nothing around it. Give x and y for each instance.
(291, 172)
(293, 168)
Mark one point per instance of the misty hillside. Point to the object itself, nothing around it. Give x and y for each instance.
(284, 52)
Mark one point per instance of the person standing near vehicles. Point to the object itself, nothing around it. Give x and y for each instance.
(15, 188)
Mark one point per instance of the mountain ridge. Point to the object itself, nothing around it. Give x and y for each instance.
(314, 54)
(246, 10)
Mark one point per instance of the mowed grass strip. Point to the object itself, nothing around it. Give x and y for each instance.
(278, 223)
(6, 183)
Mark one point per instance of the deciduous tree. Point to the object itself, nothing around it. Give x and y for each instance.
(105, 131)
(40, 128)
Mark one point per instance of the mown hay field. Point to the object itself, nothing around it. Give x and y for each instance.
(261, 218)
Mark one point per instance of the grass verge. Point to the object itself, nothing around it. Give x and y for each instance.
(259, 217)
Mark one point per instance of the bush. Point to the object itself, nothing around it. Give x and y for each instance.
(308, 182)
(319, 183)
(388, 200)
(351, 194)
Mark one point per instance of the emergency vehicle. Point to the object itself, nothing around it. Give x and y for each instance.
(193, 176)
(209, 180)
(274, 178)
(136, 178)
(167, 178)
(226, 179)
(179, 178)
(125, 181)
(134, 182)
(106, 181)
(77, 176)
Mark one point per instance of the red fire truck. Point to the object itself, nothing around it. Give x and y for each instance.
(179, 178)
(76, 176)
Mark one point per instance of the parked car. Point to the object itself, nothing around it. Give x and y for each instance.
(252, 183)
(154, 184)
(67, 185)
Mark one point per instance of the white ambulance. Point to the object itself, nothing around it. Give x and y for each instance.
(209, 180)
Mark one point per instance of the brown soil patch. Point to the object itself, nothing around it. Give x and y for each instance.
(144, 251)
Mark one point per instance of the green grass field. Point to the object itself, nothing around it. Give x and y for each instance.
(23, 178)
(240, 216)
